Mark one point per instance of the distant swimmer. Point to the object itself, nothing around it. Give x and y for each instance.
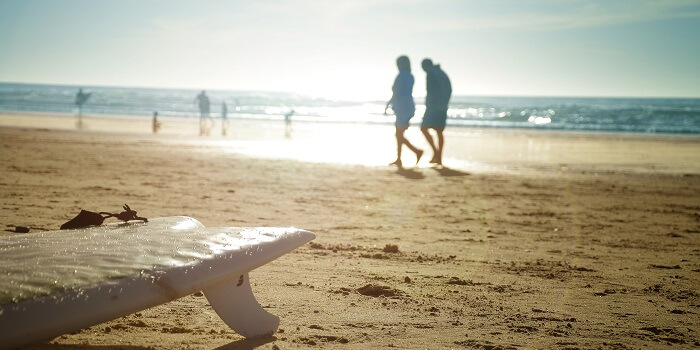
(203, 101)
(404, 108)
(437, 99)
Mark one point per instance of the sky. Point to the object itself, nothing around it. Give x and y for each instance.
(347, 49)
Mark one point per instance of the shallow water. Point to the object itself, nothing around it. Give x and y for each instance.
(639, 115)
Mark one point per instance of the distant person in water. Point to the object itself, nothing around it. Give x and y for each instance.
(439, 91)
(402, 103)
(203, 101)
(224, 118)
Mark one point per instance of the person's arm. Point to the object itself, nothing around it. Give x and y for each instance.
(431, 87)
(394, 90)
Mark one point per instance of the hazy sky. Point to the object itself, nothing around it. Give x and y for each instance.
(347, 49)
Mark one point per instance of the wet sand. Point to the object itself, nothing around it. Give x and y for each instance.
(597, 248)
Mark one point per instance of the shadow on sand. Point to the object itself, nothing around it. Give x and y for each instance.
(410, 174)
(41, 346)
(242, 344)
(247, 344)
(445, 171)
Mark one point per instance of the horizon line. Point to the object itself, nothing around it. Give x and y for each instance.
(335, 99)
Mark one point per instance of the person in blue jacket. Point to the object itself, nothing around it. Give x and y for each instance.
(439, 91)
(402, 103)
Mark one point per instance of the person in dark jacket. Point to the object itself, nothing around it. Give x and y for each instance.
(437, 99)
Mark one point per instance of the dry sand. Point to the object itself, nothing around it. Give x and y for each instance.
(567, 253)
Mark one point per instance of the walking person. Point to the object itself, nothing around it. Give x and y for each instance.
(288, 123)
(80, 99)
(224, 118)
(155, 125)
(203, 101)
(437, 99)
(404, 108)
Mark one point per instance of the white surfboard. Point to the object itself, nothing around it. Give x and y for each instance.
(56, 282)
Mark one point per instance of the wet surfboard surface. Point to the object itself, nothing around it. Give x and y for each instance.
(87, 276)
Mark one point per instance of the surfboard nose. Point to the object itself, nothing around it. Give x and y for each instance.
(288, 234)
(305, 235)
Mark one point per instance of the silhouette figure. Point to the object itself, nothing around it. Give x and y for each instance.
(439, 91)
(404, 108)
(224, 118)
(204, 122)
(156, 123)
(288, 123)
(80, 99)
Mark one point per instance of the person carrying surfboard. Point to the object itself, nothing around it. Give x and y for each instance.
(80, 99)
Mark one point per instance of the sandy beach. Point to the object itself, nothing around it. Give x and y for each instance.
(525, 240)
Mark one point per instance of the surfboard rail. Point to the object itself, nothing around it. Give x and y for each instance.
(191, 258)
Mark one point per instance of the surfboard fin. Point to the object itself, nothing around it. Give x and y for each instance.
(234, 302)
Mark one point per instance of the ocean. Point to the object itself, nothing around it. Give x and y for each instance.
(633, 115)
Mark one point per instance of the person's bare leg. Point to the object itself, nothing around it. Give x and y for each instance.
(418, 152)
(399, 143)
(441, 144)
(201, 125)
(433, 145)
(429, 138)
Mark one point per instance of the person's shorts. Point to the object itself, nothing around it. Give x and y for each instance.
(434, 118)
(403, 119)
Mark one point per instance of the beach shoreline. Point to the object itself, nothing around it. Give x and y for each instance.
(500, 251)
(467, 148)
(29, 119)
